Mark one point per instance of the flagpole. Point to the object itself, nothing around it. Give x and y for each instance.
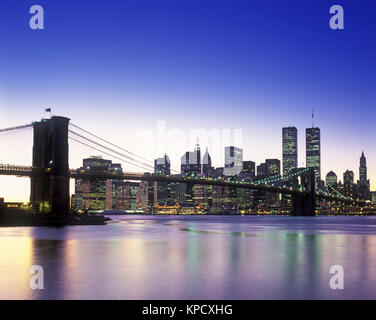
(49, 110)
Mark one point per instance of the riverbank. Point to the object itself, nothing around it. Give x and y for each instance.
(14, 217)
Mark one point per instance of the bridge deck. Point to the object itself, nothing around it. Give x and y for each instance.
(28, 171)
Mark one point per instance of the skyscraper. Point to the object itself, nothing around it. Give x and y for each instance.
(363, 183)
(207, 168)
(289, 149)
(249, 170)
(273, 167)
(161, 189)
(233, 161)
(96, 194)
(363, 169)
(262, 170)
(348, 184)
(331, 179)
(162, 165)
(313, 151)
(191, 162)
(191, 166)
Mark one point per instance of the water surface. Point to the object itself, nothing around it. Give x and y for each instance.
(193, 257)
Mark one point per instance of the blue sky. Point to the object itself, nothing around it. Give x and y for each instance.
(116, 67)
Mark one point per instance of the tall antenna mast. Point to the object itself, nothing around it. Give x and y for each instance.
(313, 119)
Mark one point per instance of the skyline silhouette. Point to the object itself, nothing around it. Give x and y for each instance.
(120, 68)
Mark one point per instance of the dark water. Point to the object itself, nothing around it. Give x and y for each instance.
(186, 257)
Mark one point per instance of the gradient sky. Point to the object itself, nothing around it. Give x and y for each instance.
(118, 67)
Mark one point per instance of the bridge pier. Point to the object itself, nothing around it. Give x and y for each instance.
(303, 204)
(50, 171)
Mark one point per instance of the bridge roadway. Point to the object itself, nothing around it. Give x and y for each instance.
(27, 171)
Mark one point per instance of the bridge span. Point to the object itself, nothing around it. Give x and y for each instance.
(50, 174)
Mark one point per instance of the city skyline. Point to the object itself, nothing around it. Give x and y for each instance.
(208, 65)
(194, 158)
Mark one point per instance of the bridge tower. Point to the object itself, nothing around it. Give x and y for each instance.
(304, 204)
(50, 171)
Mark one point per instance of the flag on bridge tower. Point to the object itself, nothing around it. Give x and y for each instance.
(49, 111)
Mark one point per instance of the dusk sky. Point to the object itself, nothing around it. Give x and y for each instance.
(117, 67)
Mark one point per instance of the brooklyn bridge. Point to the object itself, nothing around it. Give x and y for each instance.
(50, 174)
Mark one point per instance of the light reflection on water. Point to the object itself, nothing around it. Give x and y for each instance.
(205, 257)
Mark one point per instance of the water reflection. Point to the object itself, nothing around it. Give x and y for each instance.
(192, 258)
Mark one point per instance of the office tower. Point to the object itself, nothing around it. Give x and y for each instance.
(127, 195)
(348, 177)
(363, 182)
(262, 170)
(191, 162)
(363, 169)
(313, 151)
(233, 161)
(162, 165)
(161, 189)
(145, 196)
(348, 184)
(249, 168)
(273, 167)
(289, 149)
(331, 179)
(191, 166)
(96, 194)
(248, 174)
(233, 168)
(207, 169)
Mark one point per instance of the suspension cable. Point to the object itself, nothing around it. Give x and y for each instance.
(87, 145)
(16, 128)
(112, 150)
(114, 145)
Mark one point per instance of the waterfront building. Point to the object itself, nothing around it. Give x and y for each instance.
(191, 166)
(127, 195)
(162, 166)
(95, 193)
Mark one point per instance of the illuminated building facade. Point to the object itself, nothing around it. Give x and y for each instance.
(349, 188)
(162, 166)
(127, 195)
(363, 182)
(233, 161)
(191, 166)
(96, 194)
(331, 179)
(289, 149)
(313, 151)
(273, 167)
